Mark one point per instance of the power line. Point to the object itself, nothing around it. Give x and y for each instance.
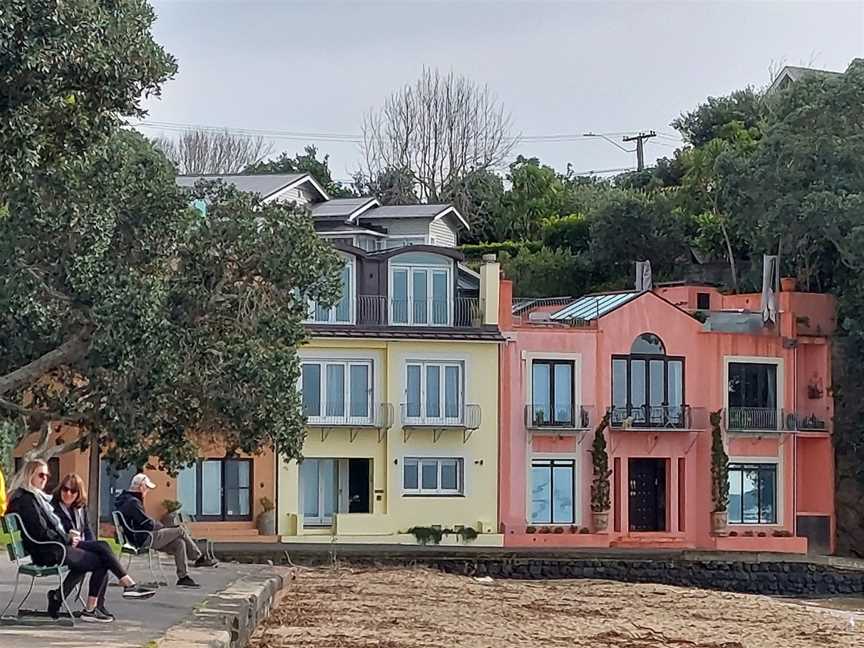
(357, 139)
(640, 146)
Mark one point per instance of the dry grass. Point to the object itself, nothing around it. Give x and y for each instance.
(420, 608)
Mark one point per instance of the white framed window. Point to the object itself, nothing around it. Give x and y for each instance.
(337, 391)
(432, 476)
(343, 311)
(434, 392)
(420, 295)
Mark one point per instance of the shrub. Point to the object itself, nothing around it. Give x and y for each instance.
(171, 506)
(584, 531)
(601, 499)
(719, 466)
(530, 529)
(558, 530)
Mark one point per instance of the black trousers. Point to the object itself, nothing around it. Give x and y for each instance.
(96, 558)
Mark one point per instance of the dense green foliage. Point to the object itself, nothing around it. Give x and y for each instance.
(123, 310)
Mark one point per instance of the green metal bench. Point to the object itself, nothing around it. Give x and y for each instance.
(13, 526)
(121, 528)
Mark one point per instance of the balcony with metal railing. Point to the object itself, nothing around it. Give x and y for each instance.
(559, 418)
(353, 415)
(378, 310)
(462, 417)
(772, 419)
(658, 417)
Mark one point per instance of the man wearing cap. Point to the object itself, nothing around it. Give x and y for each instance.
(172, 540)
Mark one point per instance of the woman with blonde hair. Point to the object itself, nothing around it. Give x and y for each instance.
(41, 522)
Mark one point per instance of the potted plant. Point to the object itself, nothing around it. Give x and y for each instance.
(266, 522)
(719, 476)
(171, 507)
(601, 500)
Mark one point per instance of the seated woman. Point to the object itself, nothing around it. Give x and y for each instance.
(70, 505)
(34, 507)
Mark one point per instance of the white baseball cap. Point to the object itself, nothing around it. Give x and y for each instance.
(140, 480)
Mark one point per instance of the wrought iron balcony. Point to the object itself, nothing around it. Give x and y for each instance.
(350, 414)
(416, 414)
(658, 417)
(378, 310)
(770, 419)
(560, 417)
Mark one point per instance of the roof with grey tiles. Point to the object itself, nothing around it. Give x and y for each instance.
(340, 207)
(263, 185)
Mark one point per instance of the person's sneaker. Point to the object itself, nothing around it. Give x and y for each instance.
(96, 616)
(187, 582)
(138, 592)
(104, 612)
(54, 604)
(204, 561)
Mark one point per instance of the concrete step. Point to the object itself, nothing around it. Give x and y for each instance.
(658, 542)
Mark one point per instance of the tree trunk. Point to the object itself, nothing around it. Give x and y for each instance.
(730, 254)
(71, 350)
(93, 489)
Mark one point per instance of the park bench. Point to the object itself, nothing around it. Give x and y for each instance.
(121, 528)
(24, 565)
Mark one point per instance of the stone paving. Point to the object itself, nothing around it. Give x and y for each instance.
(138, 622)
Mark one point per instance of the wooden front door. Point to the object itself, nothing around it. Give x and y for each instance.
(647, 511)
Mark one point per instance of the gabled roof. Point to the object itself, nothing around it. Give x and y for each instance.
(591, 307)
(346, 209)
(791, 73)
(432, 212)
(268, 186)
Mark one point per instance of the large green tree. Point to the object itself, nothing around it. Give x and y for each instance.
(123, 311)
(69, 72)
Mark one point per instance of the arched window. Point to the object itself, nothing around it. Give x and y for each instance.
(648, 344)
(648, 386)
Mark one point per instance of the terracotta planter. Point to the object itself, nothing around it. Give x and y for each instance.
(266, 523)
(600, 521)
(788, 284)
(718, 522)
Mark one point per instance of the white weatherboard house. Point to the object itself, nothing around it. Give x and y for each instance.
(361, 222)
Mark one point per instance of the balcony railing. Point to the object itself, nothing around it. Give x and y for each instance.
(754, 418)
(658, 417)
(771, 419)
(377, 310)
(459, 416)
(561, 417)
(350, 414)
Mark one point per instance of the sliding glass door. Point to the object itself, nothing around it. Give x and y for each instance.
(217, 489)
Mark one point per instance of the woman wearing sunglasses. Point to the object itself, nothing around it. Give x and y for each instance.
(37, 514)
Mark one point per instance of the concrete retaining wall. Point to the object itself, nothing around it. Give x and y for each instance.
(227, 619)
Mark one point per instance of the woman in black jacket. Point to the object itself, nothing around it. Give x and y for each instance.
(70, 506)
(34, 507)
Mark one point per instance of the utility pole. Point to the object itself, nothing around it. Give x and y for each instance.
(640, 150)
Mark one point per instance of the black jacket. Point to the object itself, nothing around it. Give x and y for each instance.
(131, 506)
(39, 527)
(69, 523)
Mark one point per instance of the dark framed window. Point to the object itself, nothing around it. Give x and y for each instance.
(552, 389)
(703, 301)
(752, 493)
(752, 396)
(553, 491)
(648, 385)
(216, 489)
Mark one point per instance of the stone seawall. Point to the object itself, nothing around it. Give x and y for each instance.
(751, 573)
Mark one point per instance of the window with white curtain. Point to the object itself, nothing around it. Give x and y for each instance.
(434, 392)
(336, 391)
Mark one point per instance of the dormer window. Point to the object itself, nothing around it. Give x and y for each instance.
(421, 291)
(343, 311)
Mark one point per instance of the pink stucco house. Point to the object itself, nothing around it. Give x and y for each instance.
(659, 362)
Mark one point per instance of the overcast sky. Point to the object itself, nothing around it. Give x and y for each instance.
(558, 67)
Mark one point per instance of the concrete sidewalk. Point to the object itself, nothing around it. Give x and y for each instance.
(138, 622)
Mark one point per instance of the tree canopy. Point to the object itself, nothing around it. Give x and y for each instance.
(306, 162)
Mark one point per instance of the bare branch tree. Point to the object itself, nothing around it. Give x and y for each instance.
(206, 151)
(438, 130)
